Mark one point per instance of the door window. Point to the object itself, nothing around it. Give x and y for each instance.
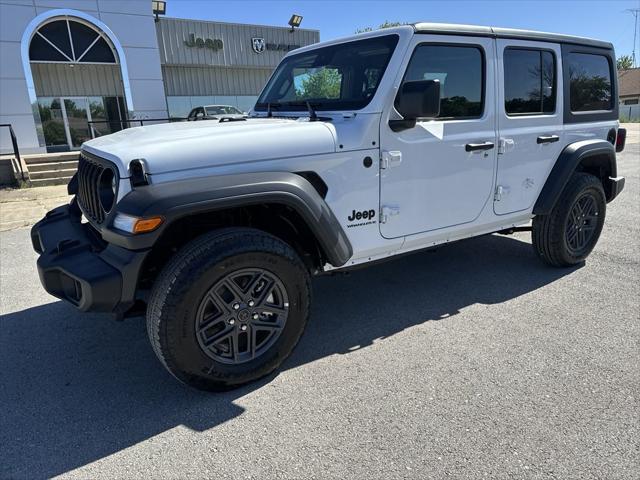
(529, 82)
(460, 70)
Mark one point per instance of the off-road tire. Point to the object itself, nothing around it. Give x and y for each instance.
(185, 280)
(549, 233)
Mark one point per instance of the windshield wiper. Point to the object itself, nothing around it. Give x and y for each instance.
(313, 116)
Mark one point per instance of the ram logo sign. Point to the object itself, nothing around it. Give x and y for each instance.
(258, 45)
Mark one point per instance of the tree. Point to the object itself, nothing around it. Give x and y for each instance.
(386, 24)
(625, 62)
(589, 92)
(324, 83)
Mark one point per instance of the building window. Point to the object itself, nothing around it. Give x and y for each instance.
(70, 41)
(589, 82)
(631, 102)
(460, 70)
(529, 82)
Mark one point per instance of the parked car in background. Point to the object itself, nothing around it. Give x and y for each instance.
(215, 112)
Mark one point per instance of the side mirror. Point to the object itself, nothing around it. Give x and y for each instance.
(416, 99)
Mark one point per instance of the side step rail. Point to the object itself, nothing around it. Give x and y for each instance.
(512, 230)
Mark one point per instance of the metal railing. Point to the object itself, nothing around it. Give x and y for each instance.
(138, 122)
(16, 150)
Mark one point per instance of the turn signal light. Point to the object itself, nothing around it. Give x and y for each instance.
(135, 225)
(147, 224)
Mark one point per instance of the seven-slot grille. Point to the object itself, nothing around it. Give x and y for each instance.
(88, 197)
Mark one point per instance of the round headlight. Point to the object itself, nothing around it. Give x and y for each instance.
(107, 187)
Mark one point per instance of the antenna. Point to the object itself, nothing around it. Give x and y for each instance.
(634, 12)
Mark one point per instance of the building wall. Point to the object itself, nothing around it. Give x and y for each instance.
(195, 75)
(236, 39)
(208, 80)
(131, 22)
(629, 99)
(222, 67)
(57, 79)
(190, 87)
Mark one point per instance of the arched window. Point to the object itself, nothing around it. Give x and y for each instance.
(70, 41)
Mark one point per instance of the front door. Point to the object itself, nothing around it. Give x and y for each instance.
(530, 121)
(77, 121)
(65, 122)
(440, 173)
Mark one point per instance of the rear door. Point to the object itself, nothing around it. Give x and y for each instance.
(440, 173)
(530, 123)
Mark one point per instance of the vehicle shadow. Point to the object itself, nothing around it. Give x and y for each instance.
(78, 387)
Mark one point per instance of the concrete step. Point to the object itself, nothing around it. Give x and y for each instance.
(45, 182)
(51, 157)
(44, 174)
(41, 167)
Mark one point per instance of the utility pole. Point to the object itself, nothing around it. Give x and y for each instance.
(634, 12)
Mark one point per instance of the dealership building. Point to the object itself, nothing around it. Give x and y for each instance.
(73, 69)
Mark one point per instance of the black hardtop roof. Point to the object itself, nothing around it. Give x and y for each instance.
(496, 32)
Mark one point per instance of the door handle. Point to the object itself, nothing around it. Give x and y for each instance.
(474, 147)
(548, 138)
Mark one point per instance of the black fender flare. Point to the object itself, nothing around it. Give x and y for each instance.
(181, 198)
(568, 161)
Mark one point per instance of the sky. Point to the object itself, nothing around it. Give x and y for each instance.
(602, 19)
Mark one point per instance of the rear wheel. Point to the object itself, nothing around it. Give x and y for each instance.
(569, 233)
(228, 308)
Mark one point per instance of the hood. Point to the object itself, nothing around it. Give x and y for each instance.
(191, 145)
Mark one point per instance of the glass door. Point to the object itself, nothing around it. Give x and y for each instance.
(53, 124)
(65, 120)
(77, 114)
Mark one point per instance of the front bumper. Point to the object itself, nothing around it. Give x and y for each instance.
(76, 265)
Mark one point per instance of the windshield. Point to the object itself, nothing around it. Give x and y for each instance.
(339, 77)
(222, 110)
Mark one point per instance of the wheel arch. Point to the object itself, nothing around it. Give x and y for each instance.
(283, 204)
(596, 157)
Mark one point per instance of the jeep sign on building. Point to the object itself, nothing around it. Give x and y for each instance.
(206, 63)
(65, 63)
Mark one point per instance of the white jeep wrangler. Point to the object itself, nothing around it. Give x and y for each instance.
(357, 150)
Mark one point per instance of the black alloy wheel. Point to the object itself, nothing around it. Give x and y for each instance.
(582, 223)
(242, 315)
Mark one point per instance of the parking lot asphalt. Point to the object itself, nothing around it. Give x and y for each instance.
(472, 361)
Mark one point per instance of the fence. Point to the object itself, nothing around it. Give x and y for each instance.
(629, 113)
(16, 150)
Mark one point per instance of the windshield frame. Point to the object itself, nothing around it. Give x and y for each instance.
(325, 104)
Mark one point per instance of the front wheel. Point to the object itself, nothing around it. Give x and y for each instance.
(569, 233)
(228, 308)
